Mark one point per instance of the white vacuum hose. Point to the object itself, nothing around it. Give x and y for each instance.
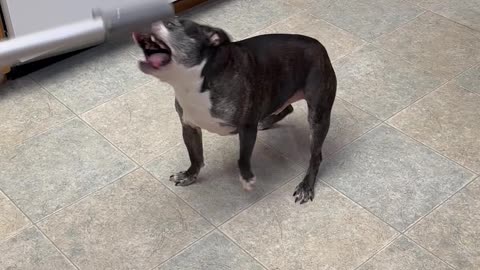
(84, 33)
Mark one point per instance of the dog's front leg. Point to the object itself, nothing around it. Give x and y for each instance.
(192, 137)
(248, 136)
(193, 140)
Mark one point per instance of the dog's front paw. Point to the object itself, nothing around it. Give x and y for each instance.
(247, 184)
(183, 179)
(303, 193)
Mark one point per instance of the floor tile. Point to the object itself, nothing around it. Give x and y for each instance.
(380, 82)
(92, 77)
(243, 18)
(218, 193)
(27, 110)
(31, 250)
(11, 218)
(394, 177)
(448, 121)
(403, 254)
(135, 223)
(435, 44)
(214, 252)
(142, 123)
(470, 79)
(452, 232)
(59, 167)
(466, 12)
(291, 136)
(338, 42)
(307, 4)
(366, 18)
(316, 235)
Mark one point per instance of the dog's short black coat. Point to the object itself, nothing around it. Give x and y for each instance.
(258, 78)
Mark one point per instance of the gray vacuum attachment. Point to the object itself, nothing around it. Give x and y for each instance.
(126, 17)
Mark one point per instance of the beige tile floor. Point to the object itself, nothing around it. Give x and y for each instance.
(87, 146)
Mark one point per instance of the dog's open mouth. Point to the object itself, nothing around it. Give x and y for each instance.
(157, 53)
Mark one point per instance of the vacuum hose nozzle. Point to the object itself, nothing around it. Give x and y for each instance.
(84, 33)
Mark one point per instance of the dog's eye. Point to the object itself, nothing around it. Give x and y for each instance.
(170, 24)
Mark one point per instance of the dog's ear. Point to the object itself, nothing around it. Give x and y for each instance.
(216, 36)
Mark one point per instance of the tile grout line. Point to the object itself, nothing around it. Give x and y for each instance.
(97, 105)
(384, 247)
(429, 252)
(117, 97)
(34, 225)
(297, 10)
(432, 149)
(361, 206)
(406, 230)
(467, 90)
(215, 228)
(402, 24)
(451, 20)
(191, 207)
(160, 153)
(96, 131)
(241, 210)
(452, 80)
(454, 76)
(56, 247)
(183, 249)
(356, 49)
(360, 109)
(256, 33)
(178, 197)
(320, 18)
(434, 209)
(86, 196)
(335, 26)
(244, 250)
(376, 37)
(52, 127)
(259, 200)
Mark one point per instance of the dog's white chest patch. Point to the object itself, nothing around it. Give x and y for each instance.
(196, 111)
(196, 105)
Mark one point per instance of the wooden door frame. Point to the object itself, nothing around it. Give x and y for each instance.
(3, 70)
(183, 5)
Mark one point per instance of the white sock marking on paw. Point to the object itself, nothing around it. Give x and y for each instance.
(248, 185)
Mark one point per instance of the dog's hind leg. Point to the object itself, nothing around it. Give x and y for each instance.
(319, 95)
(248, 137)
(270, 120)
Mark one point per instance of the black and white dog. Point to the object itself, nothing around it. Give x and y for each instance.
(240, 87)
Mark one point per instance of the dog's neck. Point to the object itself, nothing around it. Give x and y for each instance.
(184, 79)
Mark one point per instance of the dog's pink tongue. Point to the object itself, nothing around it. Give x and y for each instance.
(159, 59)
